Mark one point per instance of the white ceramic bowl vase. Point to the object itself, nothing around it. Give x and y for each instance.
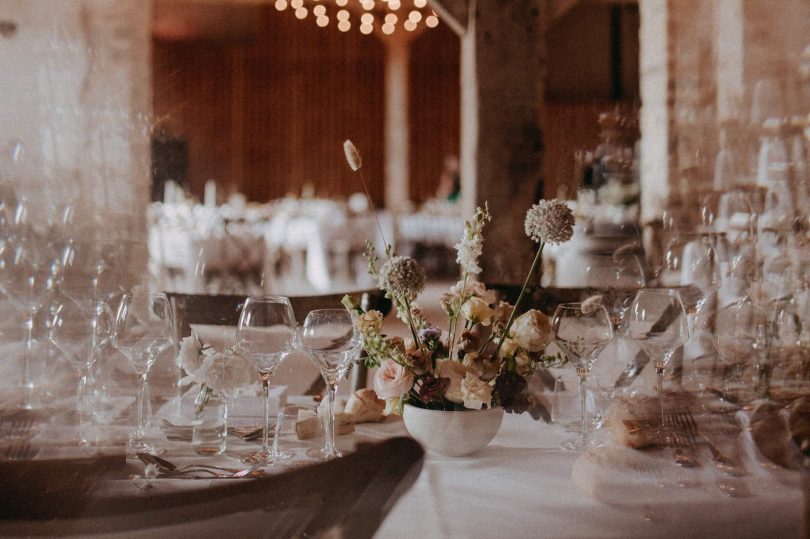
(453, 434)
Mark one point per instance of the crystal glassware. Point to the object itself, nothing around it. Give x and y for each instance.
(267, 332)
(332, 342)
(26, 278)
(80, 331)
(581, 331)
(657, 322)
(144, 328)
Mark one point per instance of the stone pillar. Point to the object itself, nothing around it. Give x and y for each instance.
(76, 96)
(502, 60)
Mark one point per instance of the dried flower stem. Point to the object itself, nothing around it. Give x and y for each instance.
(371, 204)
(508, 326)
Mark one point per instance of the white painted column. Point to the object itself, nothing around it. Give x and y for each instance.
(655, 110)
(397, 129)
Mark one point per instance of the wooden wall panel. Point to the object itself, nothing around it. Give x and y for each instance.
(570, 126)
(270, 116)
(435, 108)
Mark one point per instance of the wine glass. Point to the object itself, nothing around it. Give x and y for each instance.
(581, 331)
(617, 277)
(657, 322)
(79, 331)
(26, 277)
(332, 342)
(267, 332)
(144, 328)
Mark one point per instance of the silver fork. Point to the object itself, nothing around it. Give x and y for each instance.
(684, 435)
(722, 462)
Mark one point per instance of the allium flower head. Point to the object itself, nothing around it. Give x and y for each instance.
(549, 221)
(402, 276)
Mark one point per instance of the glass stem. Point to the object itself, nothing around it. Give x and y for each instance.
(28, 387)
(266, 397)
(329, 420)
(582, 373)
(82, 405)
(143, 391)
(659, 382)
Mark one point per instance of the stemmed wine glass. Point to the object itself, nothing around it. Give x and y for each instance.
(79, 331)
(657, 322)
(144, 328)
(617, 276)
(332, 342)
(267, 332)
(581, 331)
(26, 277)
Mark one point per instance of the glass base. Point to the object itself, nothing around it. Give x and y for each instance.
(323, 454)
(262, 457)
(580, 444)
(135, 445)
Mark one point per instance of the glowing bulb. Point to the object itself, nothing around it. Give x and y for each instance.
(415, 16)
(341, 3)
(367, 18)
(343, 15)
(368, 5)
(391, 19)
(344, 26)
(432, 21)
(419, 3)
(366, 28)
(301, 12)
(388, 29)
(322, 21)
(296, 4)
(281, 5)
(393, 5)
(319, 10)
(410, 25)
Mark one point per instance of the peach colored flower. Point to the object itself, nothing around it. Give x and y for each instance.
(392, 380)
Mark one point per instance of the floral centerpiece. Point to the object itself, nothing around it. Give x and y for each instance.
(223, 373)
(484, 357)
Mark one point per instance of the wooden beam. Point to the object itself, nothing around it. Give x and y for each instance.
(454, 13)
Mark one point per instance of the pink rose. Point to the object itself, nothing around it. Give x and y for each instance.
(392, 380)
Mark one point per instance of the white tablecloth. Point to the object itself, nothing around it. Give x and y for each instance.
(521, 486)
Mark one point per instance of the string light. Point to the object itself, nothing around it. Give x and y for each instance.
(379, 13)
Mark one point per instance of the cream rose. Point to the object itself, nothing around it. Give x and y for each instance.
(532, 331)
(226, 372)
(476, 310)
(370, 322)
(392, 380)
(476, 392)
(474, 288)
(455, 372)
(189, 357)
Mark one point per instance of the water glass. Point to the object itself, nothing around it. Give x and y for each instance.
(209, 427)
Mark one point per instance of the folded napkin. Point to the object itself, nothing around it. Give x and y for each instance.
(779, 433)
(633, 420)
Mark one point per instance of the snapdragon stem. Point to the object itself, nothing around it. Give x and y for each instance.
(519, 299)
(451, 337)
